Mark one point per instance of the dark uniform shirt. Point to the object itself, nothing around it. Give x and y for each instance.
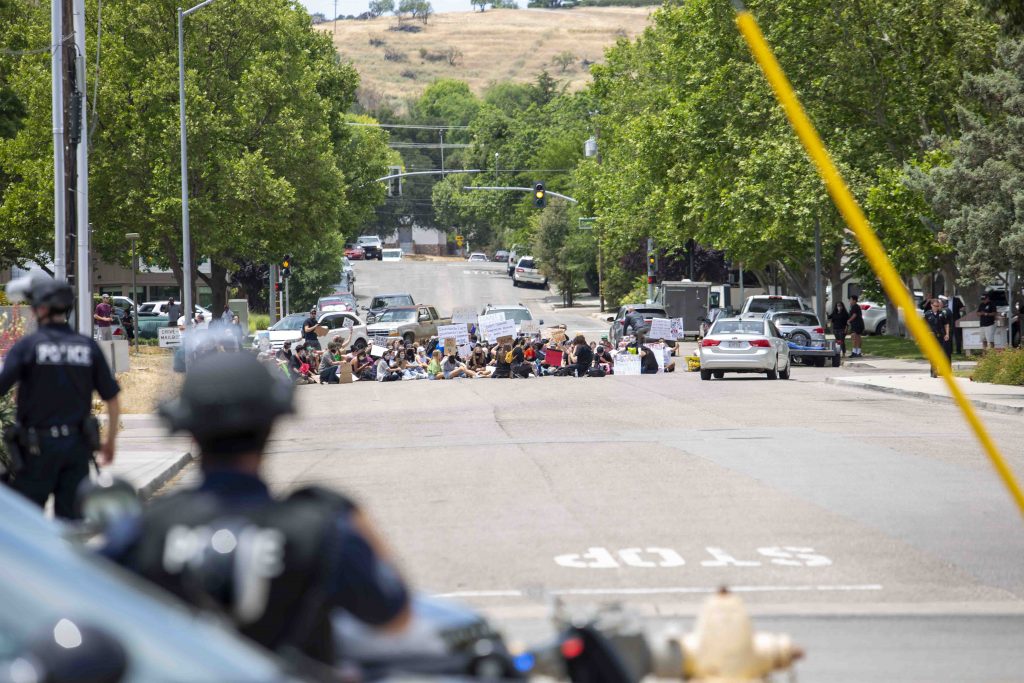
(937, 322)
(335, 564)
(310, 335)
(987, 307)
(57, 370)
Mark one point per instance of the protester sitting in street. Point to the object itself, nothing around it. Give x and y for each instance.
(434, 370)
(648, 363)
(302, 368)
(453, 368)
(520, 367)
(668, 365)
(478, 362)
(386, 371)
(363, 367)
(603, 357)
(502, 366)
(582, 356)
(329, 363)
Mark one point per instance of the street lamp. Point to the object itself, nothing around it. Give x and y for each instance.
(133, 238)
(186, 236)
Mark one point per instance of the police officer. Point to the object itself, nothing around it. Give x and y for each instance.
(57, 371)
(275, 567)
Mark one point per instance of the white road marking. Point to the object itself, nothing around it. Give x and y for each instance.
(668, 590)
(655, 557)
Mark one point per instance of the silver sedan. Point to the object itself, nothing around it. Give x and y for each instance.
(744, 345)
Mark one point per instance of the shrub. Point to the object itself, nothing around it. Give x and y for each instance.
(1001, 367)
(408, 73)
(394, 55)
(377, 41)
(258, 321)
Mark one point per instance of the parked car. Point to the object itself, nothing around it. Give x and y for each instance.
(347, 298)
(805, 331)
(372, 245)
(383, 301)
(411, 323)
(501, 256)
(762, 303)
(744, 345)
(50, 581)
(118, 330)
(478, 257)
(527, 273)
(334, 303)
(615, 332)
(391, 255)
(160, 308)
(147, 326)
(517, 312)
(338, 323)
(355, 252)
(874, 317)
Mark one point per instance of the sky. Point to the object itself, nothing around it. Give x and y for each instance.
(359, 6)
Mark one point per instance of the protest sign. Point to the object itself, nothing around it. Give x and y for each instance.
(485, 320)
(345, 373)
(553, 357)
(677, 328)
(382, 341)
(529, 327)
(556, 335)
(465, 350)
(464, 315)
(456, 332)
(170, 337)
(627, 364)
(505, 339)
(450, 347)
(503, 328)
(377, 351)
(661, 328)
(659, 354)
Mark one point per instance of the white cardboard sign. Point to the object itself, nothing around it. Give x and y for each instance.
(661, 328)
(464, 315)
(529, 327)
(485, 320)
(504, 328)
(627, 364)
(457, 332)
(170, 337)
(677, 328)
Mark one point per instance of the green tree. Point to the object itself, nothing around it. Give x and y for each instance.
(563, 60)
(380, 7)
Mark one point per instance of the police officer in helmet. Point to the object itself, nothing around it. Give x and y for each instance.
(277, 567)
(57, 371)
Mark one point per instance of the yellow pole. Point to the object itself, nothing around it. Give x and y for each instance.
(869, 242)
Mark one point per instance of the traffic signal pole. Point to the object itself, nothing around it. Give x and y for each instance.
(272, 307)
(652, 269)
(287, 299)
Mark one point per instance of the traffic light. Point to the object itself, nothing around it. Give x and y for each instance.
(277, 286)
(286, 266)
(540, 197)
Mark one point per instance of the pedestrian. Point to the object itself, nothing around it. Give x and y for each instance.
(987, 313)
(173, 312)
(840, 319)
(632, 320)
(309, 335)
(856, 323)
(363, 367)
(291, 563)
(938, 319)
(57, 370)
(103, 315)
(958, 332)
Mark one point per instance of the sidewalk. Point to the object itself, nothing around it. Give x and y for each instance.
(910, 378)
(146, 456)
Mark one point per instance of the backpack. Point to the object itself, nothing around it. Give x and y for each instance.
(508, 356)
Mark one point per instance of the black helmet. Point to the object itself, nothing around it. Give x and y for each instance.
(41, 290)
(227, 395)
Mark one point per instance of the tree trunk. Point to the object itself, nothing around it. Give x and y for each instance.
(218, 282)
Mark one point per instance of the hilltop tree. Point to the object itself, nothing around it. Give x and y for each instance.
(563, 60)
(380, 7)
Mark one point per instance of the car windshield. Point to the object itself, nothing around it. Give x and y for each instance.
(385, 301)
(738, 327)
(147, 308)
(765, 305)
(403, 315)
(516, 314)
(804, 319)
(289, 323)
(527, 263)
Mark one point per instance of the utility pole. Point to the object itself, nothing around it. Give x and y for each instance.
(652, 269)
(819, 288)
(83, 270)
(272, 301)
(440, 133)
(287, 298)
(57, 96)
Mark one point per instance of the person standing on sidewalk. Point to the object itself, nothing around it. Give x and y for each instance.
(938, 319)
(856, 322)
(56, 370)
(840, 319)
(309, 335)
(103, 315)
(173, 312)
(987, 312)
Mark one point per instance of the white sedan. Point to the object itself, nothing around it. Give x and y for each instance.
(744, 345)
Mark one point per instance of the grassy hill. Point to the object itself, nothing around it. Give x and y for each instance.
(488, 47)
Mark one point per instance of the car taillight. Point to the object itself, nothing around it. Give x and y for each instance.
(865, 307)
(710, 342)
(819, 330)
(762, 343)
(520, 270)
(118, 332)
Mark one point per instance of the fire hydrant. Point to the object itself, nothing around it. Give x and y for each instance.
(724, 648)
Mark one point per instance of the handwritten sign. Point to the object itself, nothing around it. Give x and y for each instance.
(377, 351)
(661, 328)
(170, 337)
(503, 328)
(450, 347)
(457, 332)
(465, 350)
(677, 328)
(464, 315)
(529, 327)
(658, 350)
(627, 364)
(382, 341)
(489, 319)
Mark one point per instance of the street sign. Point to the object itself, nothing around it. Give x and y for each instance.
(458, 240)
(169, 337)
(588, 223)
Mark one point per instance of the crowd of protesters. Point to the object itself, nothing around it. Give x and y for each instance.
(522, 357)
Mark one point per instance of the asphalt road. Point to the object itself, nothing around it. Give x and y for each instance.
(868, 526)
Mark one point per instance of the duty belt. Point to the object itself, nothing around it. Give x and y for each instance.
(56, 431)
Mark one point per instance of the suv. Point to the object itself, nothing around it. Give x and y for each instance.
(649, 313)
(516, 312)
(383, 301)
(763, 303)
(372, 246)
(526, 272)
(804, 330)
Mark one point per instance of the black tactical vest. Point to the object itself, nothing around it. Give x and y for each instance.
(263, 567)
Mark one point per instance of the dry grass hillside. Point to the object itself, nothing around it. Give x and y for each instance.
(488, 47)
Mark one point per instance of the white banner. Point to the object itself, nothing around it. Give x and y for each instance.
(170, 337)
(457, 332)
(661, 328)
(627, 364)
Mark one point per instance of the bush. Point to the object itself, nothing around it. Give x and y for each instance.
(258, 321)
(1001, 367)
(376, 41)
(394, 55)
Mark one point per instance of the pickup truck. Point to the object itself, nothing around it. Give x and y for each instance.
(411, 323)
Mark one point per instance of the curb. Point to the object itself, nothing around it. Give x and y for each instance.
(156, 483)
(923, 395)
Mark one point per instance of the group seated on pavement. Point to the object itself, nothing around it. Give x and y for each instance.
(521, 357)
